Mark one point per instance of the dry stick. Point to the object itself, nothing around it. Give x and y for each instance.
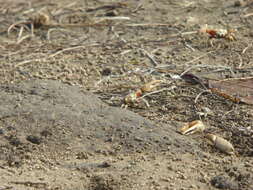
(23, 38)
(245, 49)
(66, 49)
(20, 33)
(208, 66)
(115, 18)
(241, 61)
(52, 30)
(15, 24)
(96, 24)
(158, 91)
(32, 29)
(52, 55)
(64, 25)
(139, 6)
(117, 35)
(248, 15)
(146, 24)
(197, 97)
(5, 188)
(189, 46)
(197, 58)
(29, 183)
(118, 5)
(150, 57)
(184, 34)
(118, 25)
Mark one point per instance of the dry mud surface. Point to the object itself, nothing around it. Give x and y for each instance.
(62, 88)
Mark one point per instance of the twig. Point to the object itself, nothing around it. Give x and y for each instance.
(248, 15)
(29, 183)
(5, 188)
(146, 102)
(228, 112)
(52, 55)
(207, 66)
(184, 34)
(77, 25)
(117, 5)
(15, 24)
(190, 47)
(66, 49)
(114, 18)
(158, 91)
(139, 6)
(197, 97)
(150, 57)
(20, 33)
(23, 38)
(52, 30)
(147, 24)
(117, 35)
(32, 29)
(241, 61)
(245, 49)
(197, 58)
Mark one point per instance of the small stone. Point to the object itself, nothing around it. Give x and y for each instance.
(112, 13)
(239, 3)
(106, 72)
(15, 141)
(33, 139)
(105, 165)
(222, 182)
(45, 133)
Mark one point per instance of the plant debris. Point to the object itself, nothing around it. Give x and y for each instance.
(234, 89)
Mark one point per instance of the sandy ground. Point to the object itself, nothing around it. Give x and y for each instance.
(63, 84)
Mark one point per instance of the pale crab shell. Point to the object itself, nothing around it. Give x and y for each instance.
(221, 143)
(192, 127)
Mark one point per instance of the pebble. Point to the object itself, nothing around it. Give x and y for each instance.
(33, 139)
(222, 182)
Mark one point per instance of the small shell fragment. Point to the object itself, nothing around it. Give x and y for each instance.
(192, 127)
(221, 143)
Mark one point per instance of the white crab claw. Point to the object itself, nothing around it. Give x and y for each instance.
(192, 127)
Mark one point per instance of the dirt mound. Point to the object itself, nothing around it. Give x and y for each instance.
(54, 114)
(50, 121)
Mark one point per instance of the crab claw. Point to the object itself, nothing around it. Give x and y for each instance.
(148, 87)
(221, 144)
(192, 127)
